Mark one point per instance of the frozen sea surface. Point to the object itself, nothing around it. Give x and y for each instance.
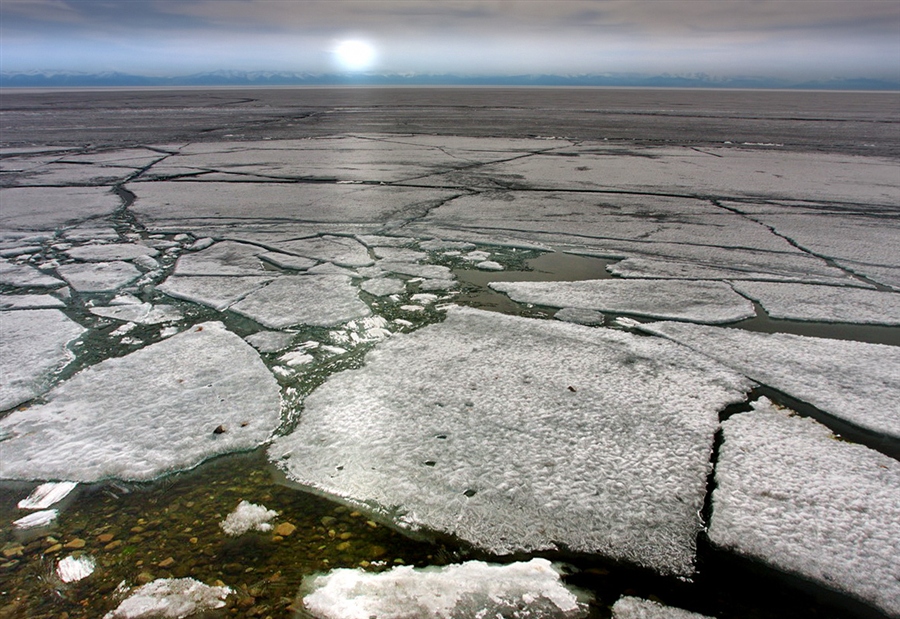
(520, 435)
(792, 496)
(527, 590)
(696, 301)
(856, 382)
(177, 392)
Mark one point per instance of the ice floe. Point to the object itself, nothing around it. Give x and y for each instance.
(637, 608)
(695, 301)
(34, 345)
(29, 301)
(525, 590)
(287, 261)
(217, 292)
(856, 382)
(144, 314)
(110, 251)
(489, 265)
(176, 392)
(47, 495)
(170, 598)
(339, 250)
(519, 435)
(248, 516)
(316, 300)
(98, 276)
(383, 286)
(270, 341)
(26, 276)
(578, 316)
(49, 208)
(224, 258)
(400, 254)
(792, 496)
(73, 569)
(824, 303)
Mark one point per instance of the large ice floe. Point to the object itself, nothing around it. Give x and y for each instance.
(33, 346)
(530, 590)
(856, 382)
(208, 393)
(792, 496)
(170, 598)
(696, 301)
(521, 435)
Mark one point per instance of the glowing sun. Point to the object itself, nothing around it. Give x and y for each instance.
(355, 55)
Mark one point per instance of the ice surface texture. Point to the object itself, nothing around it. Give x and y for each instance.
(33, 346)
(171, 598)
(856, 382)
(792, 496)
(175, 392)
(709, 302)
(519, 435)
(531, 590)
(637, 608)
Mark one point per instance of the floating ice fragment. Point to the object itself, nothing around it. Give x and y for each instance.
(147, 263)
(342, 251)
(296, 358)
(224, 258)
(29, 301)
(36, 519)
(424, 298)
(246, 517)
(383, 286)
(400, 254)
(216, 292)
(173, 598)
(438, 244)
(437, 284)
(586, 317)
(73, 569)
(125, 329)
(427, 271)
(145, 313)
(270, 341)
(110, 251)
(526, 590)
(287, 261)
(328, 268)
(412, 308)
(637, 608)
(477, 256)
(489, 265)
(47, 494)
(25, 276)
(98, 276)
(201, 244)
(790, 495)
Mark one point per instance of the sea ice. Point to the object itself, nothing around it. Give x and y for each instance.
(526, 590)
(489, 265)
(29, 301)
(428, 271)
(400, 254)
(224, 258)
(33, 346)
(50, 208)
(316, 300)
(248, 517)
(638, 608)
(791, 495)
(172, 598)
(853, 381)
(383, 286)
(98, 276)
(218, 293)
(270, 341)
(25, 276)
(36, 519)
(47, 495)
(73, 569)
(519, 435)
(824, 303)
(177, 392)
(287, 261)
(695, 301)
(339, 250)
(110, 251)
(145, 313)
(586, 317)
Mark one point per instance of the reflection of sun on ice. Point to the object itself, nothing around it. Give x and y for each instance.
(355, 55)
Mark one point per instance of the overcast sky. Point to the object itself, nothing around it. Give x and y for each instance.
(805, 39)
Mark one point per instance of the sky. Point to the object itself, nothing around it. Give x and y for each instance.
(786, 39)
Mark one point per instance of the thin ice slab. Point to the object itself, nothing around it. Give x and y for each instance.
(695, 301)
(98, 276)
(164, 408)
(34, 345)
(792, 496)
(26, 276)
(47, 494)
(521, 435)
(529, 590)
(170, 598)
(225, 258)
(111, 251)
(217, 292)
(315, 300)
(29, 301)
(637, 608)
(856, 382)
(824, 303)
(339, 250)
(144, 313)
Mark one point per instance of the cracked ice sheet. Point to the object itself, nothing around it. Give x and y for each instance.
(49, 208)
(315, 300)
(148, 413)
(696, 301)
(791, 495)
(824, 303)
(339, 250)
(223, 258)
(143, 313)
(217, 292)
(474, 589)
(98, 276)
(853, 381)
(519, 435)
(25, 276)
(34, 346)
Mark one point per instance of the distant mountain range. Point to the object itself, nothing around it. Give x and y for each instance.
(59, 79)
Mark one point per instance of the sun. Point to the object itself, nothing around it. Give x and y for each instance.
(355, 55)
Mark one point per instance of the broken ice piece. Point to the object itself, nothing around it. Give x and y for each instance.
(170, 598)
(637, 608)
(248, 516)
(36, 519)
(295, 358)
(200, 244)
(589, 318)
(270, 341)
(73, 569)
(383, 286)
(47, 494)
(98, 276)
(489, 265)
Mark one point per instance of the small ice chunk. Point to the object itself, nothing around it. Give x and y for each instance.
(73, 569)
(201, 244)
(438, 245)
(145, 313)
(412, 308)
(79, 235)
(627, 323)
(125, 298)
(477, 256)
(287, 261)
(168, 331)
(424, 298)
(638, 608)
(489, 265)
(792, 496)
(295, 358)
(426, 271)
(437, 284)
(694, 301)
(400, 254)
(328, 268)
(28, 301)
(371, 240)
(36, 519)
(824, 303)
(342, 251)
(125, 329)
(25, 276)
(586, 317)
(270, 341)
(216, 292)
(98, 276)
(110, 251)
(526, 590)
(173, 598)
(383, 286)
(248, 517)
(12, 252)
(224, 258)
(47, 494)
(147, 263)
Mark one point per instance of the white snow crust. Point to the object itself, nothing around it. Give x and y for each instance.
(637, 608)
(98, 276)
(175, 392)
(474, 589)
(791, 495)
(33, 346)
(248, 517)
(853, 381)
(47, 494)
(695, 301)
(519, 435)
(170, 598)
(824, 303)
